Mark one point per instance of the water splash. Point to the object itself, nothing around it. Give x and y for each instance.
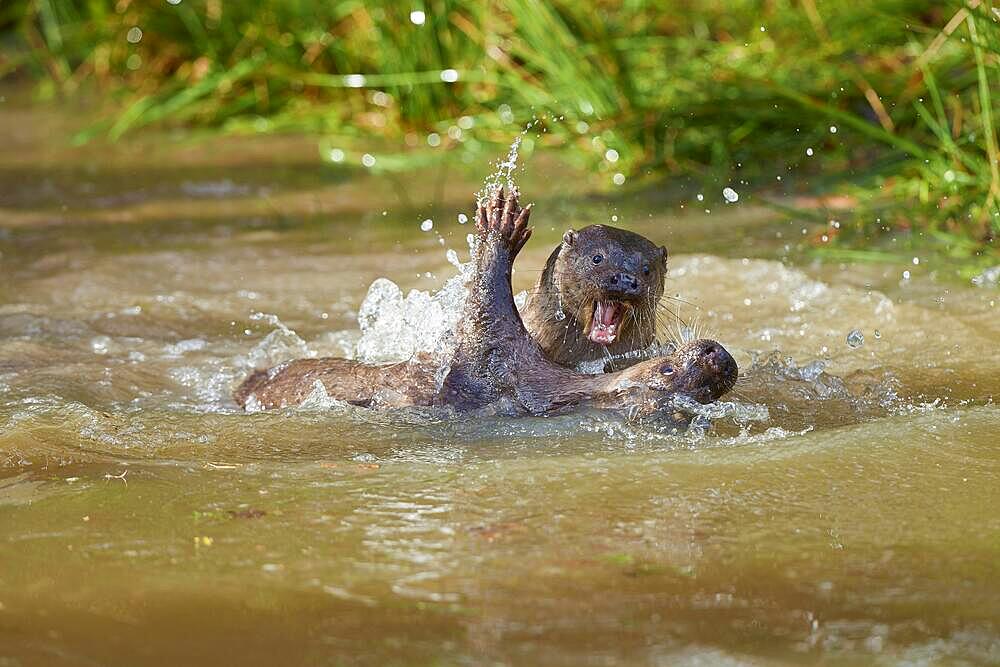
(741, 413)
(503, 171)
(319, 400)
(395, 327)
(281, 344)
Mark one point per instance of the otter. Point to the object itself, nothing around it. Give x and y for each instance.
(597, 297)
(497, 365)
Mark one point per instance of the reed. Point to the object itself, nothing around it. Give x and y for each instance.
(721, 91)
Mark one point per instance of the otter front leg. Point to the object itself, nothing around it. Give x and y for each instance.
(492, 336)
(503, 231)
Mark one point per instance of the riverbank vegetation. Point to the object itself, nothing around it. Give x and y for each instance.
(884, 113)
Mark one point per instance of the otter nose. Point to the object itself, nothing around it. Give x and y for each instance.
(624, 284)
(718, 357)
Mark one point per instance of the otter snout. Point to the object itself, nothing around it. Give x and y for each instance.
(707, 372)
(718, 359)
(716, 370)
(622, 285)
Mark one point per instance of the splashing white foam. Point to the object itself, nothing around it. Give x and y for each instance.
(741, 413)
(395, 328)
(503, 172)
(282, 344)
(319, 400)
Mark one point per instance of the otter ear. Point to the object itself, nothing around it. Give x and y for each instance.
(663, 255)
(569, 238)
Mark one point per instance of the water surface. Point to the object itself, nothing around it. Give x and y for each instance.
(145, 520)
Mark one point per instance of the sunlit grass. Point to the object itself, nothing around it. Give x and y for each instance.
(892, 99)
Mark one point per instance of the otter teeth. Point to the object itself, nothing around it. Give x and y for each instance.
(604, 324)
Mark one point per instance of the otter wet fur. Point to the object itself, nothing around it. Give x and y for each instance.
(497, 365)
(597, 296)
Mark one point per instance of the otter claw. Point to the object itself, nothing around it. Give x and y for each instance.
(503, 217)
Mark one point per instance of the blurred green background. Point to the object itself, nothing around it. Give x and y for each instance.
(887, 106)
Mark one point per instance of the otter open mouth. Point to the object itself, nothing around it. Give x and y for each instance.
(606, 322)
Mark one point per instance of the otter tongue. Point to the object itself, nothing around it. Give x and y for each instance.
(604, 326)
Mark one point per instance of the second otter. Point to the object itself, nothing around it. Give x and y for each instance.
(597, 296)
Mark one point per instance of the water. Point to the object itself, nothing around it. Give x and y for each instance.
(841, 507)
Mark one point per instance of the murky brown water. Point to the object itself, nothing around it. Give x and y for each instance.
(144, 520)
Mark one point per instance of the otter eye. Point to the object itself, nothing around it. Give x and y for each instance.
(645, 269)
(598, 259)
(667, 369)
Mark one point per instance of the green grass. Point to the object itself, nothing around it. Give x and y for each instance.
(719, 92)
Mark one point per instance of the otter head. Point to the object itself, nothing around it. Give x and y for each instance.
(608, 278)
(701, 369)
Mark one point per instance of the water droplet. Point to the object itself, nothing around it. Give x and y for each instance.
(560, 314)
(427, 225)
(466, 122)
(833, 129)
(618, 179)
(611, 155)
(878, 334)
(906, 275)
(916, 261)
(174, 2)
(368, 160)
(449, 75)
(134, 35)
(100, 344)
(506, 115)
(462, 218)
(336, 155)
(855, 339)
(614, 218)
(809, 152)
(731, 195)
(354, 80)
(700, 197)
(433, 139)
(417, 17)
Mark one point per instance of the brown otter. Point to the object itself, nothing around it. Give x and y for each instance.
(497, 363)
(597, 296)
